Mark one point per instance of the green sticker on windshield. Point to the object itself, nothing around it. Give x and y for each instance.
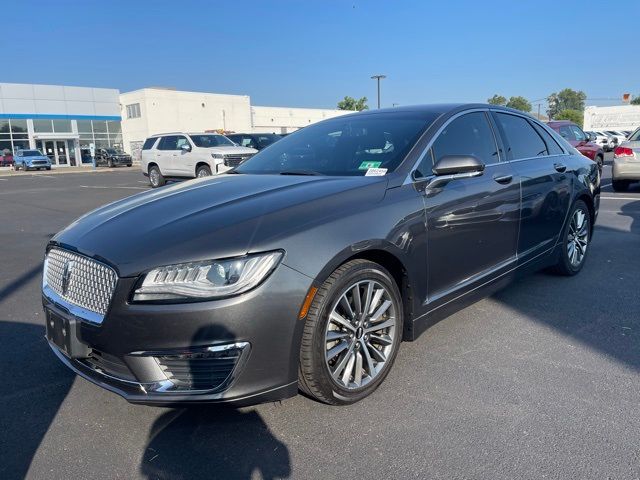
(368, 165)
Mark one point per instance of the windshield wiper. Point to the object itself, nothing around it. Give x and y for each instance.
(300, 172)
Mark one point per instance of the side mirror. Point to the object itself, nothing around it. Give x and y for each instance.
(186, 147)
(458, 164)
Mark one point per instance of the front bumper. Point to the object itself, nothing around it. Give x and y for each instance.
(625, 169)
(129, 351)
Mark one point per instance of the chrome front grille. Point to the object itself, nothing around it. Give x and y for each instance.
(79, 280)
(235, 160)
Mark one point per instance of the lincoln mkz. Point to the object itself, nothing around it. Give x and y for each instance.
(305, 267)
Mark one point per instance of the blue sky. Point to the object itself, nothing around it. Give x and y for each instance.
(312, 53)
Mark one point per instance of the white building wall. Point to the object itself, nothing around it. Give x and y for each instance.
(163, 110)
(621, 117)
(286, 120)
(29, 99)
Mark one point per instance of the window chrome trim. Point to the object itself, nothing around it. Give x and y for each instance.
(409, 180)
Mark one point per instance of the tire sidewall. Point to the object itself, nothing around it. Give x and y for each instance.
(365, 271)
(570, 268)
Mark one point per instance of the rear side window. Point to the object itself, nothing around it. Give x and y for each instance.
(523, 141)
(149, 143)
(552, 146)
(469, 134)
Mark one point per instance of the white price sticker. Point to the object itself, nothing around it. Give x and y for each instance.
(375, 172)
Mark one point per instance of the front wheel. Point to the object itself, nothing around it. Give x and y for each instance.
(156, 179)
(575, 240)
(110, 163)
(352, 334)
(203, 171)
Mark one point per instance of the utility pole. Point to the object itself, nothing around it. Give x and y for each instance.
(378, 78)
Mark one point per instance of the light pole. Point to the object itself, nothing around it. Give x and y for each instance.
(378, 78)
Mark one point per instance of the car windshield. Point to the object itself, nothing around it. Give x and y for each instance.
(211, 140)
(343, 146)
(267, 139)
(31, 153)
(635, 136)
(111, 151)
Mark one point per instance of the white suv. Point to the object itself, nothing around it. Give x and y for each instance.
(189, 155)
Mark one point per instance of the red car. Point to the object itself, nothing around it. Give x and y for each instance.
(580, 140)
(6, 160)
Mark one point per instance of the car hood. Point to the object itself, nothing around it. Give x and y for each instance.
(214, 217)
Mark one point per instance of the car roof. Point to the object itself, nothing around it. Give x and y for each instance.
(155, 135)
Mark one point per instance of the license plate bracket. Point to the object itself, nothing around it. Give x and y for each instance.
(63, 333)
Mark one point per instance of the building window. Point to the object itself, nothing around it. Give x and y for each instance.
(133, 110)
(62, 126)
(42, 126)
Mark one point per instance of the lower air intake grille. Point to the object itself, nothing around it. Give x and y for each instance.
(201, 370)
(235, 160)
(109, 365)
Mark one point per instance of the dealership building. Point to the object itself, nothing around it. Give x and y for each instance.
(63, 122)
(620, 117)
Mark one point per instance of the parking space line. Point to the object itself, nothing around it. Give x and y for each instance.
(602, 197)
(109, 188)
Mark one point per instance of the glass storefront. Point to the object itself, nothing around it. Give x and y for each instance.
(65, 141)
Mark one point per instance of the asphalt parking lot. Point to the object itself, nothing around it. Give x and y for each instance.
(542, 380)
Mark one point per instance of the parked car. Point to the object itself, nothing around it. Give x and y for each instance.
(309, 265)
(254, 140)
(189, 155)
(601, 139)
(578, 139)
(112, 157)
(6, 159)
(31, 159)
(621, 137)
(626, 163)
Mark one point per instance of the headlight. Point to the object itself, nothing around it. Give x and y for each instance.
(206, 280)
(218, 156)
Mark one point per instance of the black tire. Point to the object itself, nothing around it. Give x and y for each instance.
(203, 171)
(600, 162)
(314, 375)
(156, 179)
(110, 163)
(48, 168)
(620, 185)
(129, 164)
(565, 266)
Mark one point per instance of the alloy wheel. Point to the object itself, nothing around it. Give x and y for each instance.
(578, 237)
(154, 177)
(360, 334)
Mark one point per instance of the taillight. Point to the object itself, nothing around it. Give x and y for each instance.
(623, 152)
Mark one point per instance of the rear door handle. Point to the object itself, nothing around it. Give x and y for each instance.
(560, 167)
(503, 179)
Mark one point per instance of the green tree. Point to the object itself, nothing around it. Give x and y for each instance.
(497, 100)
(574, 116)
(635, 100)
(350, 103)
(519, 103)
(566, 99)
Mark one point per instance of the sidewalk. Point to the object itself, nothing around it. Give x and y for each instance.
(8, 172)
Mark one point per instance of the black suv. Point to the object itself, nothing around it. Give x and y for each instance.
(254, 140)
(112, 157)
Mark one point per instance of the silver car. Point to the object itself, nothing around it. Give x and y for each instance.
(601, 139)
(626, 163)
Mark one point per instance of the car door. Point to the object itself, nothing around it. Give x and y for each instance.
(165, 154)
(472, 223)
(545, 177)
(183, 160)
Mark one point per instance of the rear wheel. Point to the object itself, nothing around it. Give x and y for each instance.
(576, 237)
(620, 185)
(156, 179)
(203, 171)
(352, 334)
(110, 163)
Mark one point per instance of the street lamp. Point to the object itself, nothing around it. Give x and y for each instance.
(378, 78)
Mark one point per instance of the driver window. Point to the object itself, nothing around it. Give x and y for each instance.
(469, 134)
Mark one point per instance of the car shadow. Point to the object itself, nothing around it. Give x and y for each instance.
(214, 442)
(34, 385)
(599, 306)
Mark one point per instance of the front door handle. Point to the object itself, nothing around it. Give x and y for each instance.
(560, 167)
(503, 179)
